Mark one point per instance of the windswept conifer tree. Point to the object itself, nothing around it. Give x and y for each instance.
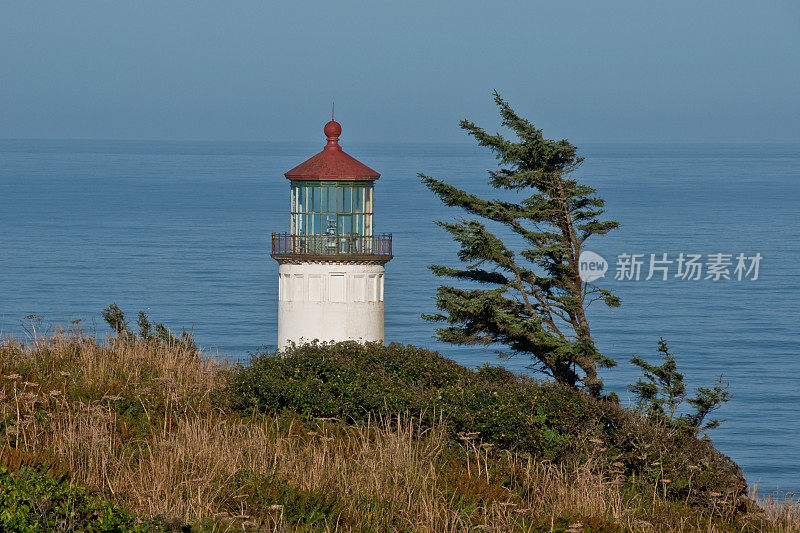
(535, 301)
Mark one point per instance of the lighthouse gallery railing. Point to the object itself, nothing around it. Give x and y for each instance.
(348, 247)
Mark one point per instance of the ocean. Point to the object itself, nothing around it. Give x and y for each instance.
(181, 230)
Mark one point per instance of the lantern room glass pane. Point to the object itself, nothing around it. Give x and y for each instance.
(316, 199)
(358, 200)
(331, 207)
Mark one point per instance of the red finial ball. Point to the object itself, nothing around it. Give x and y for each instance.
(333, 129)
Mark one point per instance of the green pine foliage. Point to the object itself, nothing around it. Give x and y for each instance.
(115, 318)
(145, 327)
(705, 401)
(662, 392)
(535, 301)
(154, 332)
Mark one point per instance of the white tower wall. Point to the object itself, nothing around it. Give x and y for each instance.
(330, 301)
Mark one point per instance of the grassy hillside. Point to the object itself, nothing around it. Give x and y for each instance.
(145, 435)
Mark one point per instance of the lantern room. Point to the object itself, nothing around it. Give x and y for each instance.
(331, 192)
(331, 206)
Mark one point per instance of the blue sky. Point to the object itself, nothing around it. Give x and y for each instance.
(400, 71)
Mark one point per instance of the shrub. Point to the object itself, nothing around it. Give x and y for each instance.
(148, 331)
(34, 498)
(354, 382)
(662, 391)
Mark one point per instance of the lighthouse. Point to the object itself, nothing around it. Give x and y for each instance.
(331, 262)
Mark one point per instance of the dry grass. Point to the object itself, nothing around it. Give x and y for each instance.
(146, 425)
(779, 513)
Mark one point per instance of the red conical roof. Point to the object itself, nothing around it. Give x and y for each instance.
(332, 163)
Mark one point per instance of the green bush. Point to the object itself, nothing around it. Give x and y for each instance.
(33, 499)
(353, 382)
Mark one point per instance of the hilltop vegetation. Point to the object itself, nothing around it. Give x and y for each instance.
(146, 434)
(511, 412)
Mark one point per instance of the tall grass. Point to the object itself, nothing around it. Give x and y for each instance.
(149, 426)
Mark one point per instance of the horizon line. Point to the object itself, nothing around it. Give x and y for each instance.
(404, 142)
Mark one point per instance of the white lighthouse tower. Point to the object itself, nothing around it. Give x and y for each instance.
(331, 273)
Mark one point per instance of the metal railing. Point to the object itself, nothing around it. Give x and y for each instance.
(348, 247)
